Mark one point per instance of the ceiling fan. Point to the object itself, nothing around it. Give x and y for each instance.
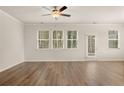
(56, 12)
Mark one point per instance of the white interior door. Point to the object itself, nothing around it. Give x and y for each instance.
(90, 46)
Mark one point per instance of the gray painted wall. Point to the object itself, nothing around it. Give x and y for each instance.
(11, 41)
(100, 30)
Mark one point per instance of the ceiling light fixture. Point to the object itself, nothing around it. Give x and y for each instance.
(56, 13)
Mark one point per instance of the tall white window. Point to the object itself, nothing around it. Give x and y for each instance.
(91, 45)
(72, 39)
(57, 39)
(43, 39)
(113, 37)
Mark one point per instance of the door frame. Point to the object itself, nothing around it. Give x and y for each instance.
(86, 47)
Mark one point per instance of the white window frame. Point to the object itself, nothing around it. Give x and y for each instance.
(114, 39)
(71, 39)
(58, 39)
(43, 39)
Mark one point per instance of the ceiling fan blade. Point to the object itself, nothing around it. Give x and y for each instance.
(46, 14)
(67, 15)
(46, 8)
(62, 9)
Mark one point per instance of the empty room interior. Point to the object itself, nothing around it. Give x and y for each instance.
(61, 45)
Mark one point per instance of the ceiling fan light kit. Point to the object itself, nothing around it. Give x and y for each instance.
(56, 13)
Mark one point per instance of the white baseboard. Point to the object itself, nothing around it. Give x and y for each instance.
(110, 60)
(74, 60)
(3, 69)
(52, 60)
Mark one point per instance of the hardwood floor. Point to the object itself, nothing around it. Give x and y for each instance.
(64, 74)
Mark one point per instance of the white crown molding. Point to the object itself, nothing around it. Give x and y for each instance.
(13, 18)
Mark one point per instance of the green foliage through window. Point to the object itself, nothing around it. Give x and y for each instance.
(72, 39)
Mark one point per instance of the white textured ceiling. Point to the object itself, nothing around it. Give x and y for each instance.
(79, 14)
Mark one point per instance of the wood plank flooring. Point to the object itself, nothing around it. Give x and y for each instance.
(64, 74)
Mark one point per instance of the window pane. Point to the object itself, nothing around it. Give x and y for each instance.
(113, 43)
(43, 34)
(57, 34)
(91, 44)
(72, 34)
(113, 34)
(72, 44)
(60, 43)
(43, 43)
(69, 44)
(57, 43)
